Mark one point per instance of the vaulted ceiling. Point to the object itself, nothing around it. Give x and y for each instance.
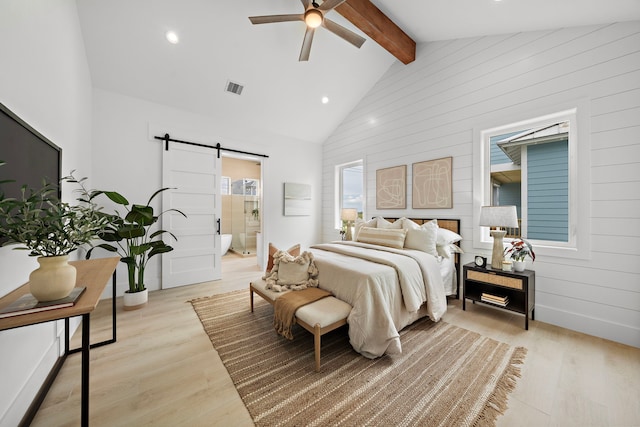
(128, 53)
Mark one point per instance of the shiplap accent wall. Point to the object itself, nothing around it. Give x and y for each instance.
(432, 108)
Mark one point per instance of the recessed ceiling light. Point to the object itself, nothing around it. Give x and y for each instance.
(325, 99)
(172, 37)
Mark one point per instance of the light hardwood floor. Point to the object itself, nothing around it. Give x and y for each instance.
(163, 370)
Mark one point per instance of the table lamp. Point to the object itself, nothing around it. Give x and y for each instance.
(498, 216)
(348, 215)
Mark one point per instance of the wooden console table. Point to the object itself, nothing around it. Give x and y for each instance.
(94, 275)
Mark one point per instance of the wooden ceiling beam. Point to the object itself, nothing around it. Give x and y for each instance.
(366, 16)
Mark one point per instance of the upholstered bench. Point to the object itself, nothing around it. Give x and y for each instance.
(318, 317)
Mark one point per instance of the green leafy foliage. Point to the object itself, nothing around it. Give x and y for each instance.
(129, 235)
(45, 226)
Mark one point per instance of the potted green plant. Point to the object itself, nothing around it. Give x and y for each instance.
(130, 234)
(49, 229)
(517, 251)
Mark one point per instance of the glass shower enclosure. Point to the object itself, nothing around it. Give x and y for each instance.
(245, 215)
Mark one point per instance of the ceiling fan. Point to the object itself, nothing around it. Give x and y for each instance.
(313, 16)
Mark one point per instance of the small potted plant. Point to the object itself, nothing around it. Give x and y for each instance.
(50, 230)
(517, 251)
(130, 235)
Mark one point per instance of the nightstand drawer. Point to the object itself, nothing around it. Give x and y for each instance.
(494, 279)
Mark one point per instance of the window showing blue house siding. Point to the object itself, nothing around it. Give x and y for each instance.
(510, 195)
(497, 156)
(548, 191)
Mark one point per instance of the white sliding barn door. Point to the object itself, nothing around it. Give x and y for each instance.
(193, 173)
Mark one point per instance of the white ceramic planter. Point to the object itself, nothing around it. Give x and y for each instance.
(519, 265)
(54, 279)
(135, 301)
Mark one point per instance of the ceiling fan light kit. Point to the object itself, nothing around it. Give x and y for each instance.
(313, 17)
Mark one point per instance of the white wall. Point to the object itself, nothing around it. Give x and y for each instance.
(44, 79)
(434, 107)
(127, 159)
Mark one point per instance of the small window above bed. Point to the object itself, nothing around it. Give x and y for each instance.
(349, 190)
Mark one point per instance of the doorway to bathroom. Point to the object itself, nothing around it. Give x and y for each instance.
(241, 190)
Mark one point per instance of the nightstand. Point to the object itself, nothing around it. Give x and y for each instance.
(508, 290)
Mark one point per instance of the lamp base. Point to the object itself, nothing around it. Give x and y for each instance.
(498, 249)
(348, 236)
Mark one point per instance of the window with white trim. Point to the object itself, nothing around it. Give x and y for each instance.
(533, 164)
(349, 189)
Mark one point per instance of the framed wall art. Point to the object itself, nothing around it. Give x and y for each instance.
(297, 199)
(431, 188)
(391, 188)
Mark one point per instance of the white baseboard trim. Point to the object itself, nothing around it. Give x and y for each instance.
(589, 325)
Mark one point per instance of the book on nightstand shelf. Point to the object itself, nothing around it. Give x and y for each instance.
(27, 304)
(494, 299)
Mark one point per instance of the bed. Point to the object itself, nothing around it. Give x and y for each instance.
(389, 287)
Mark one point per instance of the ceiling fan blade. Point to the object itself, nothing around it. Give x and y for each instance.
(341, 31)
(306, 44)
(306, 4)
(327, 5)
(276, 18)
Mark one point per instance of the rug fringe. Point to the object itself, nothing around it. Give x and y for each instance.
(497, 403)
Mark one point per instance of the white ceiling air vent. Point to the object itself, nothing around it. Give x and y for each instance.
(234, 87)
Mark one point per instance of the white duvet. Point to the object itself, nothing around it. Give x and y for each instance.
(386, 288)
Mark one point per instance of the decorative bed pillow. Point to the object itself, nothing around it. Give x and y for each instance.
(445, 243)
(391, 237)
(422, 237)
(445, 251)
(383, 223)
(293, 251)
(422, 240)
(362, 223)
(291, 272)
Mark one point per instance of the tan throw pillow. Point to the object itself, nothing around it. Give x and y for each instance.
(362, 223)
(391, 237)
(291, 272)
(293, 251)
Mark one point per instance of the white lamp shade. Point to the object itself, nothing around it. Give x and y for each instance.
(349, 214)
(499, 216)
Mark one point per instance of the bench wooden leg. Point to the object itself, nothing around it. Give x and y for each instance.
(251, 297)
(316, 341)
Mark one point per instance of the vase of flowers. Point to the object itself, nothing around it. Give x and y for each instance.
(517, 251)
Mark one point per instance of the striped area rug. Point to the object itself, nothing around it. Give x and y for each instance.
(446, 375)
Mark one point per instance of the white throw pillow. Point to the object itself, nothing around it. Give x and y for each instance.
(445, 243)
(421, 240)
(391, 237)
(383, 223)
(422, 237)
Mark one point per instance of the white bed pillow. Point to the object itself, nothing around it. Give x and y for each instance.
(446, 251)
(390, 237)
(447, 236)
(383, 223)
(421, 240)
(422, 237)
(445, 243)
